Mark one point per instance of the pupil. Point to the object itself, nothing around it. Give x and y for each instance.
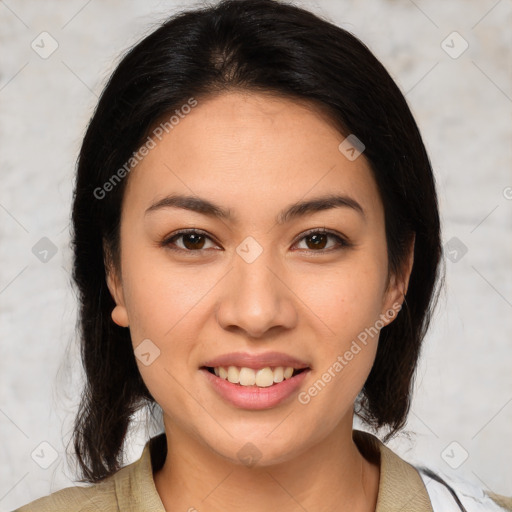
(192, 236)
(317, 243)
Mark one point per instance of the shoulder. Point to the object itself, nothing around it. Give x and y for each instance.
(100, 496)
(131, 488)
(408, 486)
(446, 490)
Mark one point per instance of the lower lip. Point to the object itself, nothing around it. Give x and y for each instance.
(254, 397)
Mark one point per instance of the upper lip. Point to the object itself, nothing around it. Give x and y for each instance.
(255, 361)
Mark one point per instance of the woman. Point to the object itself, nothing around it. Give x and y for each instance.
(256, 249)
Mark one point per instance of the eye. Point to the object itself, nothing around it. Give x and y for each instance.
(317, 239)
(192, 240)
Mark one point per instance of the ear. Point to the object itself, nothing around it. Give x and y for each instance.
(398, 285)
(114, 284)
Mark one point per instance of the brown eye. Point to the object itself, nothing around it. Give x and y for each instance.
(191, 241)
(317, 241)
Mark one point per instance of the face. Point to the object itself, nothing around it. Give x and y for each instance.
(254, 287)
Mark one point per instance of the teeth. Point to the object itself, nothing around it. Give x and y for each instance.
(247, 377)
(279, 374)
(263, 378)
(233, 375)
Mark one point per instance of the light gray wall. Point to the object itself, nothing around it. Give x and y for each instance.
(463, 106)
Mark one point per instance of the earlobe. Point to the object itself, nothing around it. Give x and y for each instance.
(119, 314)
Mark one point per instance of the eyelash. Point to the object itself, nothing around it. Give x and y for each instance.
(342, 242)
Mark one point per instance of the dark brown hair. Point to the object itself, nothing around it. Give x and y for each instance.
(261, 46)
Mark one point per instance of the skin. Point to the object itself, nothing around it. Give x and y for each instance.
(255, 154)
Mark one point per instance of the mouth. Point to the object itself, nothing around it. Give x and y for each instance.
(265, 377)
(256, 388)
(256, 380)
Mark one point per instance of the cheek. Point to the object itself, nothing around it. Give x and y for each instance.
(346, 300)
(160, 297)
(166, 305)
(346, 306)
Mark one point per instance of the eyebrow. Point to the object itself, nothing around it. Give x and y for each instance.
(293, 211)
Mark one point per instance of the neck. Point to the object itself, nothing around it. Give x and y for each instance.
(330, 476)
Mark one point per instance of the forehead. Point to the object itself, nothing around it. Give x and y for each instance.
(244, 149)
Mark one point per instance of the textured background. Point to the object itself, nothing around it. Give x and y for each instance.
(463, 103)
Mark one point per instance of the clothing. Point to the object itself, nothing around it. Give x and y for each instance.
(402, 486)
(469, 497)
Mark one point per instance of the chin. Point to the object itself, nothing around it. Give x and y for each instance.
(259, 451)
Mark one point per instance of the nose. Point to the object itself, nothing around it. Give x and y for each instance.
(255, 298)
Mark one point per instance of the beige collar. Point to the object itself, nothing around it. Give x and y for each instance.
(400, 487)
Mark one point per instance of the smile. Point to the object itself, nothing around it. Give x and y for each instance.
(262, 377)
(255, 389)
